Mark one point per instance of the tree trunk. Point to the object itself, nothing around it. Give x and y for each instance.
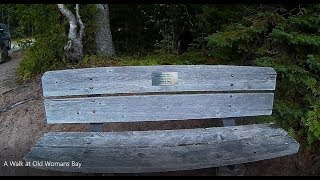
(73, 48)
(104, 41)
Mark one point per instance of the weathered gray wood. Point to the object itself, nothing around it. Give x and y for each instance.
(96, 127)
(138, 79)
(158, 151)
(168, 150)
(229, 121)
(157, 107)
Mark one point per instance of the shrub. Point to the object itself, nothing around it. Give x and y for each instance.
(46, 53)
(290, 44)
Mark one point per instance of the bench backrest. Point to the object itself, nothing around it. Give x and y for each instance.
(156, 93)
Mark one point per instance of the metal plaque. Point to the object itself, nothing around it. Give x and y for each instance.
(164, 78)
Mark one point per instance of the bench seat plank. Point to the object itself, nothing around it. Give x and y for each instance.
(157, 107)
(162, 150)
(138, 79)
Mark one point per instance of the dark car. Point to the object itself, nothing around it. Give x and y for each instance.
(5, 42)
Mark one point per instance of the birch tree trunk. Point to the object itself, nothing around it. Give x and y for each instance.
(103, 38)
(73, 48)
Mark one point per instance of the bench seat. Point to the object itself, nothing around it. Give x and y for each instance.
(162, 150)
(101, 95)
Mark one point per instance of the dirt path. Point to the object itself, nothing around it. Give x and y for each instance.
(22, 120)
(8, 73)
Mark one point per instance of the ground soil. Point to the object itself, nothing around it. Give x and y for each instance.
(22, 123)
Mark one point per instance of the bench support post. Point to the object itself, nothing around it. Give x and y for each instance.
(95, 127)
(230, 169)
(230, 122)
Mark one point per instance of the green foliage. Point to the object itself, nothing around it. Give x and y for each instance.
(165, 45)
(241, 39)
(95, 61)
(280, 36)
(289, 43)
(314, 63)
(312, 120)
(296, 38)
(46, 53)
(50, 28)
(164, 59)
(148, 60)
(214, 17)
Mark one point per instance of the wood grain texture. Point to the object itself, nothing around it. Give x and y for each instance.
(157, 107)
(138, 79)
(165, 150)
(158, 151)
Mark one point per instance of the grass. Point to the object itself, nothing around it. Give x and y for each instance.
(147, 60)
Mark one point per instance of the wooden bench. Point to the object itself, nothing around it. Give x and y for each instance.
(159, 93)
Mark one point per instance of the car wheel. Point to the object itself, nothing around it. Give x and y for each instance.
(3, 54)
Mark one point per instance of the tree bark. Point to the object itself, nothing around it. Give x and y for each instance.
(104, 41)
(73, 48)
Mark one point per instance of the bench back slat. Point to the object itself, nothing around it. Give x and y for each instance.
(157, 107)
(142, 79)
(122, 94)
